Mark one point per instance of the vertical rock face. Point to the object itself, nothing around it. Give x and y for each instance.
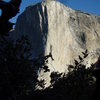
(54, 27)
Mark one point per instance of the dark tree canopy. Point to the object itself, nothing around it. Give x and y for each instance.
(9, 10)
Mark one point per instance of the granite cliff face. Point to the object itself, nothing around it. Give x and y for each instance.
(54, 27)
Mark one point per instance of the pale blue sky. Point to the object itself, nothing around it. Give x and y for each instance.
(90, 6)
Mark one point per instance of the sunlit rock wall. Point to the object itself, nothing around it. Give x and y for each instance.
(56, 28)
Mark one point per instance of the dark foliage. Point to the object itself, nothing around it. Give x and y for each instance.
(18, 75)
(96, 73)
(9, 10)
(78, 84)
(16, 71)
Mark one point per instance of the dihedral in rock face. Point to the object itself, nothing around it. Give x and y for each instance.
(52, 26)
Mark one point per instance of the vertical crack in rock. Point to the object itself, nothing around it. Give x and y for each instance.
(44, 26)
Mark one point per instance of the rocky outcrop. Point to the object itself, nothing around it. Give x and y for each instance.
(54, 27)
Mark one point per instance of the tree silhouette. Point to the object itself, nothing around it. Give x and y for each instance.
(16, 71)
(9, 10)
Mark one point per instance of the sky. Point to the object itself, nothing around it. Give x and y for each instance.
(89, 6)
